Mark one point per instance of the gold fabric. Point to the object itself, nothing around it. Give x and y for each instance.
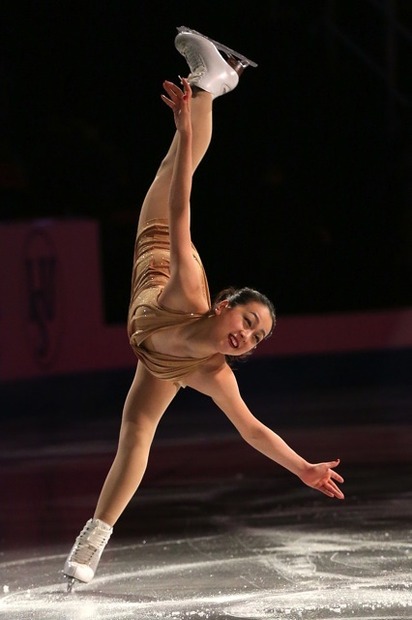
(151, 271)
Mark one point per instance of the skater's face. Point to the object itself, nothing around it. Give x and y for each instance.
(242, 327)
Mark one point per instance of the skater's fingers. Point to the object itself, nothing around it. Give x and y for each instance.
(186, 89)
(168, 102)
(186, 85)
(172, 89)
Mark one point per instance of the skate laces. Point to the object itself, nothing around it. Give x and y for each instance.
(91, 540)
(195, 62)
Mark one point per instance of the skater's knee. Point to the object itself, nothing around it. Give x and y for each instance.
(166, 167)
(137, 434)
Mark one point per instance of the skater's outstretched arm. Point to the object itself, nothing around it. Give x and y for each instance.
(222, 387)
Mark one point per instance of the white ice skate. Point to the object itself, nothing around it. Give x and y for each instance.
(209, 70)
(84, 557)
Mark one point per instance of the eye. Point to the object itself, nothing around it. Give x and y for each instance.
(257, 339)
(248, 321)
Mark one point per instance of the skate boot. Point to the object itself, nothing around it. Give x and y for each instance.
(84, 557)
(209, 70)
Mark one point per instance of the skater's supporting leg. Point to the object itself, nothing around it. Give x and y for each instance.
(145, 404)
(146, 401)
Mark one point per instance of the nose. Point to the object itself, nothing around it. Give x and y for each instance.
(245, 334)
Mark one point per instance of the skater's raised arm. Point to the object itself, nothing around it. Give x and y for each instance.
(184, 273)
(181, 185)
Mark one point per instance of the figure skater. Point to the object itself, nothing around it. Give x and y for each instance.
(178, 335)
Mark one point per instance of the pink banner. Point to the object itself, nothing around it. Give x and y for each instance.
(51, 315)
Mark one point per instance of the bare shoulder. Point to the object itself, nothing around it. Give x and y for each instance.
(215, 379)
(220, 384)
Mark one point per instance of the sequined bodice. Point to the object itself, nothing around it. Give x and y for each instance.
(151, 271)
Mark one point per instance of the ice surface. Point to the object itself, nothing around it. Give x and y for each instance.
(298, 560)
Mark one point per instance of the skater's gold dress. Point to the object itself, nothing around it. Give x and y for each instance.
(146, 316)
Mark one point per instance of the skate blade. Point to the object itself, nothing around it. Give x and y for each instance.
(220, 46)
(71, 582)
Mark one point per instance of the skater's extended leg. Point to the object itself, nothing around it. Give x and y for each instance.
(156, 202)
(210, 76)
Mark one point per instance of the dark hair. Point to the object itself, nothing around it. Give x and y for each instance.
(240, 297)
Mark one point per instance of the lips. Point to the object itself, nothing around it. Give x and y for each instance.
(233, 341)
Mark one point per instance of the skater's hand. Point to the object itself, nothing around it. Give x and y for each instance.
(321, 476)
(180, 102)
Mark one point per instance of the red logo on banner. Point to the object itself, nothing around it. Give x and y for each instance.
(43, 291)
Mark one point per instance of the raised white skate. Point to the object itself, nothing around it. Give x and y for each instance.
(209, 70)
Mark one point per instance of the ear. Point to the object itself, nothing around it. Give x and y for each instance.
(221, 306)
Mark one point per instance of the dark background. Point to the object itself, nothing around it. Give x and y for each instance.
(306, 191)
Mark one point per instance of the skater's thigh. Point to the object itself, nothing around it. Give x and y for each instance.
(156, 202)
(148, 398)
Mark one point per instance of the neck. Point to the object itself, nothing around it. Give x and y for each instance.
(197, 337)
